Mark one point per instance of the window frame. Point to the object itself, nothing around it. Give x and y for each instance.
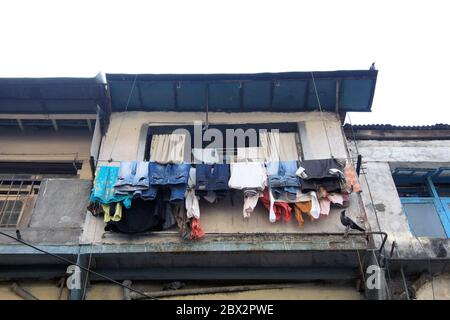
(23, 180)
(441, 204)
(28, 199)
(167, 128)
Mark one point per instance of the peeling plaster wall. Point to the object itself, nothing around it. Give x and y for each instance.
(379, 157)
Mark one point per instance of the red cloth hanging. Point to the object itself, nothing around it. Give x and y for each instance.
(196, 229)
(282, 209)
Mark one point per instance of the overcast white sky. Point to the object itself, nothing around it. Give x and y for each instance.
(409, 40)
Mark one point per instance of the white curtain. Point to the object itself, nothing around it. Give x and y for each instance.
(254, 154)
(279, 146)
(167, 148)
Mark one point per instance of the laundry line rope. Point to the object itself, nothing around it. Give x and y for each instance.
(321, 114)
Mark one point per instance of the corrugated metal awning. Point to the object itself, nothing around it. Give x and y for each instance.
(51, 95)
(289, 91)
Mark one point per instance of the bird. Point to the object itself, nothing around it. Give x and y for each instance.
(372, 67)
(18, 235)
(442, 252)
(349, 223)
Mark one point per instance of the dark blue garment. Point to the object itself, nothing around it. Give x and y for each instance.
(319, 175)
(177, 192)
(212, 177)
(171, 176)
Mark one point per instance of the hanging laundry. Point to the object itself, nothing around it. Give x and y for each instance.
(170, 176)
(116, 214)
(251, 178)
(168, 148)
(168, 216)
(346, 200)
(315, 205)
(300, 208)
(197, 231)
(142, 216)
(277, 210)
(212, 196)
(127, 171)
(103, 190)
(183, 222)
(95, 209)
(291, 198)
(247, 175)
(212, 177)
(251, 197)
(132, 179)
(326, 199)
(321, 173)
(282, 179)
(351, 178)
(324, 206)
(192, 201)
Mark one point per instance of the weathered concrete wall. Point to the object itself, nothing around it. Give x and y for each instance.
(59, 212)
(313, 135)
(379, 158)
(61, 203)
(407, 151)
(47, 145)
(123, 139)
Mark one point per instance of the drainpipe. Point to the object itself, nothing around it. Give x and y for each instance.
(76, 288)
(376, 285)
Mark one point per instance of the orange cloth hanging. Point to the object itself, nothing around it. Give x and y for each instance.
(351, 178)
(300, 208)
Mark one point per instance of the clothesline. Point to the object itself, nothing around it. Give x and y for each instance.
(136, 190)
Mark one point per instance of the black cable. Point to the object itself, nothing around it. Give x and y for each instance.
(73, 263)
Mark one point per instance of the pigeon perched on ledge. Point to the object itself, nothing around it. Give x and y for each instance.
(372, 67)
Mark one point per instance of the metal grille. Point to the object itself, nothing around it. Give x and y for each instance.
(15, 192)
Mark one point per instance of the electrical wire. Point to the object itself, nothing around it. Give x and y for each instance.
(321, 114)
(123, 117)
(331, 155)
(73, 263)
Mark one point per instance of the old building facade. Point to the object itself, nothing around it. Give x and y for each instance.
(58, 133)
